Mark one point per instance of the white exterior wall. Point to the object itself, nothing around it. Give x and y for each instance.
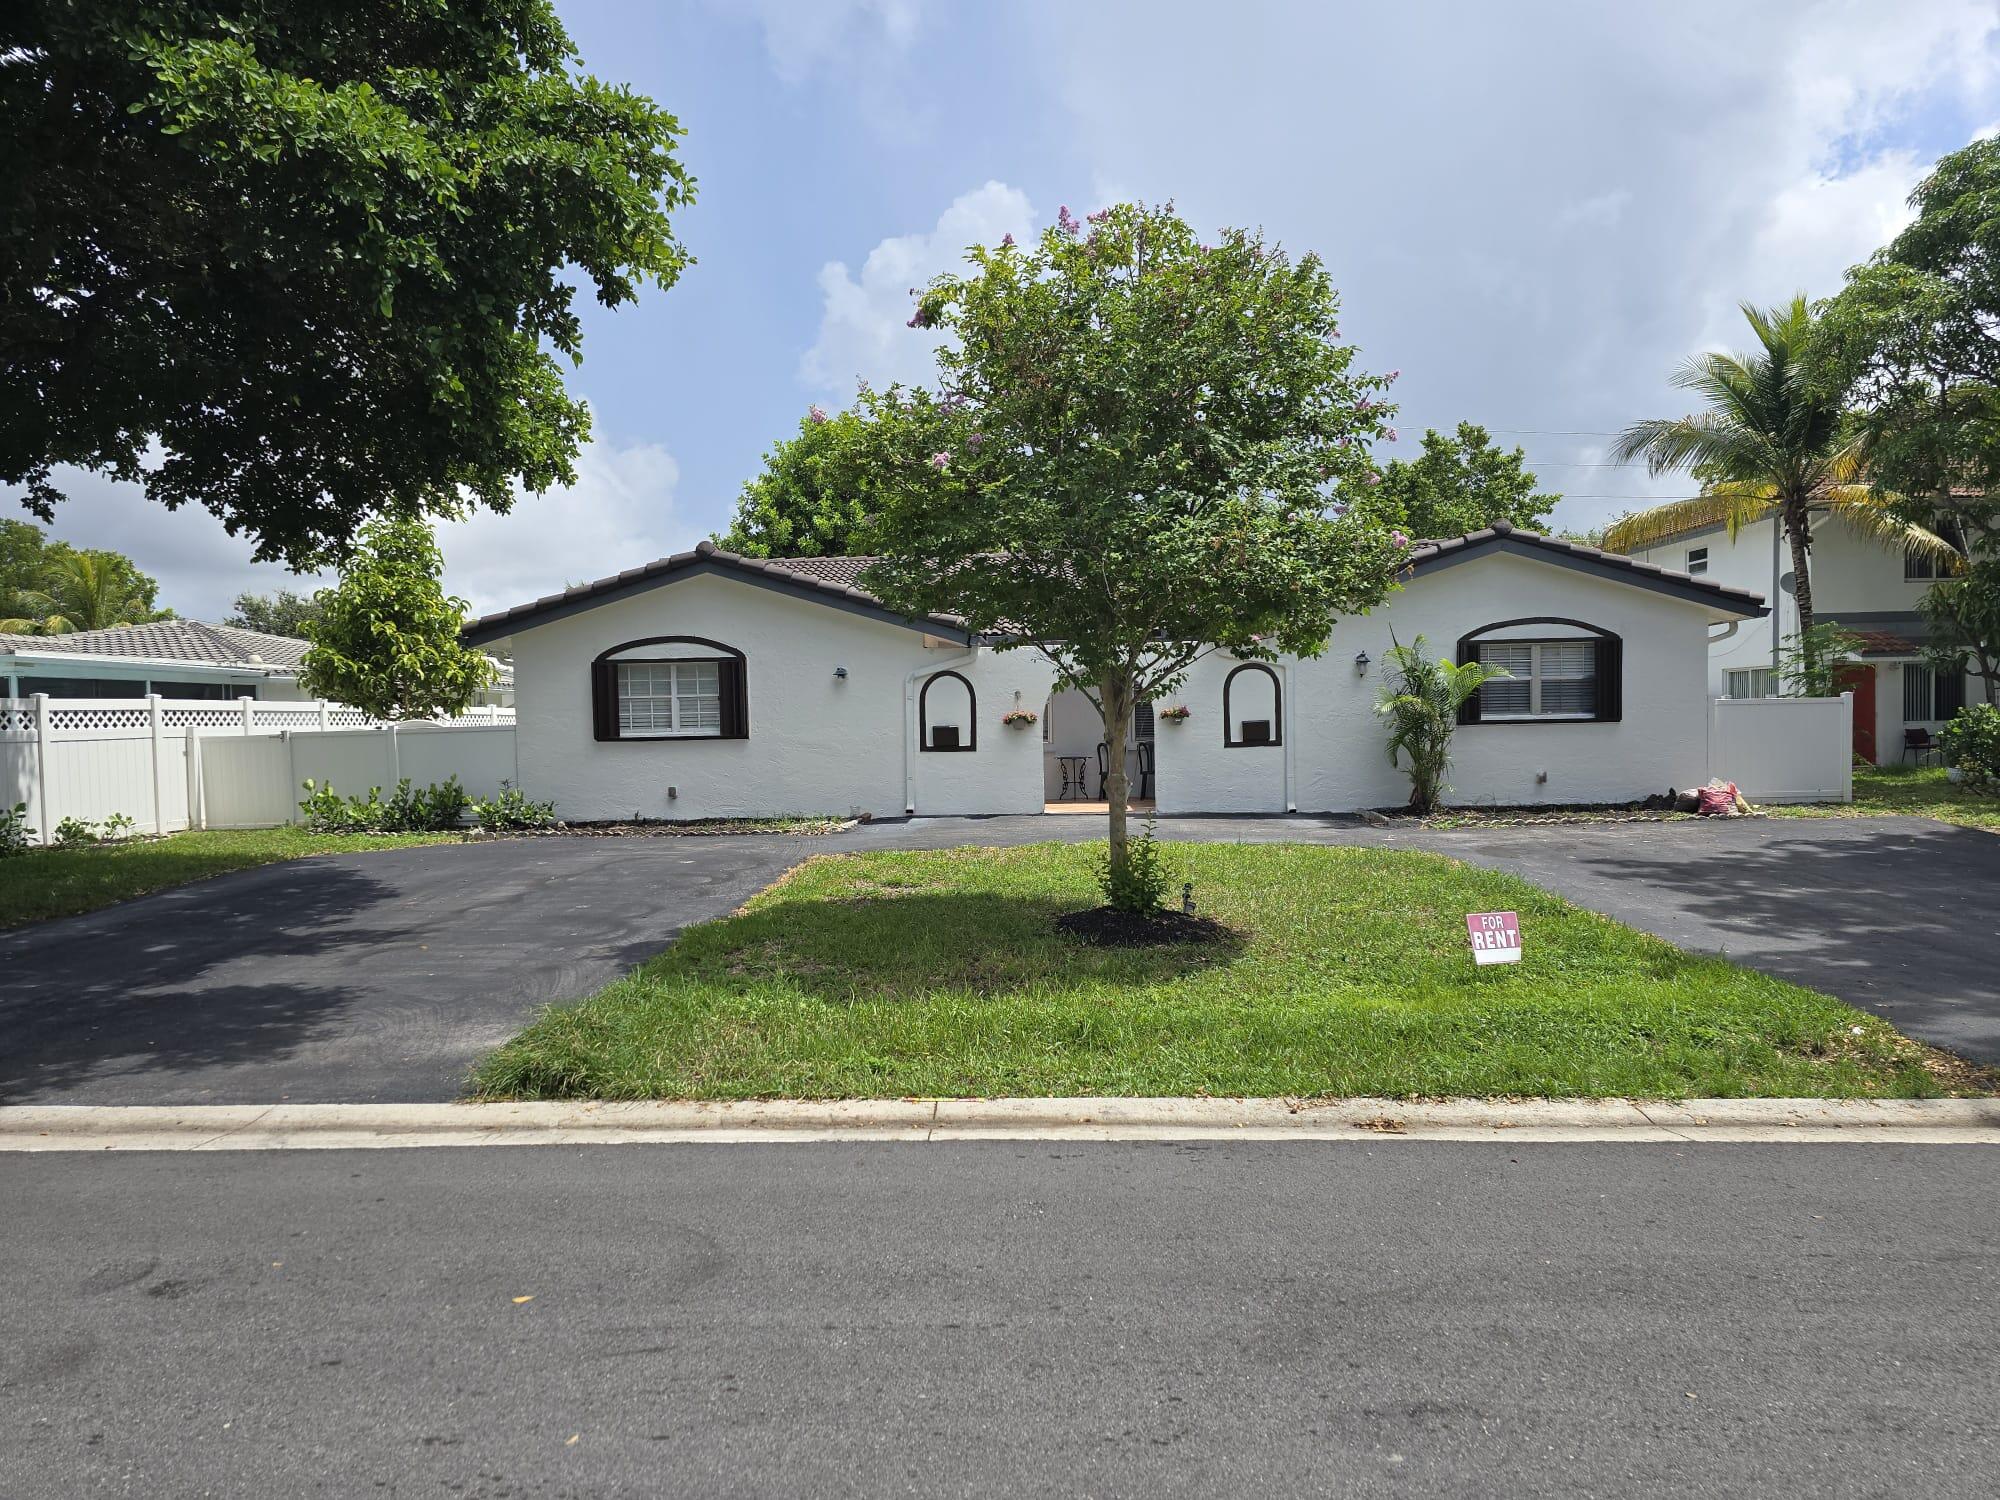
(1851, 574)
(817, 743)
(1334, 741)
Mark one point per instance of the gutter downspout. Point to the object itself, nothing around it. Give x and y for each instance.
(1291, 739)
(1777, 600)
(910, 720)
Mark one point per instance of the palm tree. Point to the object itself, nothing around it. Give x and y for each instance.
(1769, 444)
(80, 591)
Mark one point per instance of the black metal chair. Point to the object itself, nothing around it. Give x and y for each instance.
(1918, 742)
(1145, 769)
(1103, 771)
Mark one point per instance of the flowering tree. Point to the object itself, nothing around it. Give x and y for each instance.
(1130, 457)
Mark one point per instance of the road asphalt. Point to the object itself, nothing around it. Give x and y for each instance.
(1408, 1318)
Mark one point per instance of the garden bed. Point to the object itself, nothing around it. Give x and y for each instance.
(942, 973)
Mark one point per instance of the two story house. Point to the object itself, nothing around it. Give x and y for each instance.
(1870, 589)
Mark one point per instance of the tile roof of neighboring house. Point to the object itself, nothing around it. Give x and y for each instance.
(833, 578)
(172, 641)
(1883, 632)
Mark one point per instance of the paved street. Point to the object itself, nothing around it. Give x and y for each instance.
(383, 976)
(1397, 1317)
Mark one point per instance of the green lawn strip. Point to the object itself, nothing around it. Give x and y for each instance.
(44, 883)
(1921, 791)
(937, 973)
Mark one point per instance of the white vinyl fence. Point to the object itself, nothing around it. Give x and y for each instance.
(257, 781)
(1784, 749)
(90, 758)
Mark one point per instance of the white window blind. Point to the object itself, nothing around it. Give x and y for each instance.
(669, 698)
(1547, 679)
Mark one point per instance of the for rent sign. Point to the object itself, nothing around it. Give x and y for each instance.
(1496, 937)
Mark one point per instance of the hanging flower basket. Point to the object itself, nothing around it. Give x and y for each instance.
(1020, 718)
(1178, 714)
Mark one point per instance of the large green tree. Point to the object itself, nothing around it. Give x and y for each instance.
(1913, 343)
(1772, 441)
(1130, 458)
(386, 640)
(281, 612)
(52, 588)
(817, 487)
(322, 256)
(1460, 483)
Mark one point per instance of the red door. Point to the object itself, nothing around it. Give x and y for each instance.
(1859, 679)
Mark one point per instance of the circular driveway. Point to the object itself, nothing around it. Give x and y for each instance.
(384, 976)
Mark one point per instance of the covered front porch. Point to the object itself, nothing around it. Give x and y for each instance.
(1076, 760)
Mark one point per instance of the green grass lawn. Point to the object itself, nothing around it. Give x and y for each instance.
(1905, 789)
(937, 973)
(47, 883)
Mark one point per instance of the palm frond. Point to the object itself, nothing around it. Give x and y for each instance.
(1866, 513)
(1734, 506)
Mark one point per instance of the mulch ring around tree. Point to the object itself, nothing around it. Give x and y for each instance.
(1107, 927)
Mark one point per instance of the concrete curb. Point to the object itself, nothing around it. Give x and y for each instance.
(229, 1127)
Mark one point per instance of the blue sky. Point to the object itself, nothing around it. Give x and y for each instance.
(1533, 211)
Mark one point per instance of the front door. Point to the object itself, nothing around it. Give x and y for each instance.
(1858, 678)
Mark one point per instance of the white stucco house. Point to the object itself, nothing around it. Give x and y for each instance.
(1863, 584)
(712, 685)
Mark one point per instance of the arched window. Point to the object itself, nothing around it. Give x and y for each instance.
(1252, 707)
(670, 687)
(947, 713)
(1558, 671)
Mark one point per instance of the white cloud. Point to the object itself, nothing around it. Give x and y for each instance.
(804, 36)
(619, 513)
(1535, 210)
(864, 327)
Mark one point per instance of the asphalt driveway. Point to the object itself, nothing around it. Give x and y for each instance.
(383, 976)
(367, 977)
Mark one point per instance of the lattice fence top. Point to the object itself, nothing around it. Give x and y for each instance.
(120, 717)
(64, 715)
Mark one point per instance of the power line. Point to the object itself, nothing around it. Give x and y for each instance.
(1549, 432)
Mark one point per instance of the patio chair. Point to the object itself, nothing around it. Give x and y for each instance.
(1919, 742)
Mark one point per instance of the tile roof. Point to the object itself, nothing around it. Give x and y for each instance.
(831, 577)
(835, 577)
(1503, 535)
(170, 640)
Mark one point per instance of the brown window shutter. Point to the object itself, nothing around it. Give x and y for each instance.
(735, 699)
(1468, 651)
(1610, 679)
(604, 700)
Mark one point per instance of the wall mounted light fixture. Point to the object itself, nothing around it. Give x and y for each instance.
(1361, 664)
(840, 672)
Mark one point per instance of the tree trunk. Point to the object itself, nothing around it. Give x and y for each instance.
(1115, 696)
(1797, 535)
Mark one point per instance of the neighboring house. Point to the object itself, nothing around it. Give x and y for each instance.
(184, 659)
(712, 685)
(1866, 586)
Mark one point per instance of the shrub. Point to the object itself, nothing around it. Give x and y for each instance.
(13, 830)
(435, 809)
(1972, 743)
(1421, 702)
(1140, 885)
(74, 833)
(511, 810)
